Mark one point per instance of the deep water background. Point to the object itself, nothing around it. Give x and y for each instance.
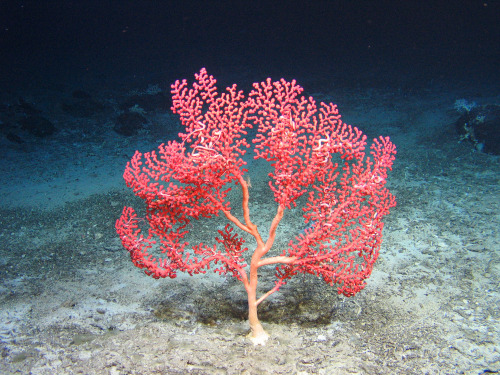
(86, 83)
(385, 43)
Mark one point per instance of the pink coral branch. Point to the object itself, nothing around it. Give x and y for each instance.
(313, 154)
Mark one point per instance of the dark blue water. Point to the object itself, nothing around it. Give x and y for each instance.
(83, 84)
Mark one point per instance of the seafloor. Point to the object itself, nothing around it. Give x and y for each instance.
(72, 302)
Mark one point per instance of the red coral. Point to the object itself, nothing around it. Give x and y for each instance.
(312, 152)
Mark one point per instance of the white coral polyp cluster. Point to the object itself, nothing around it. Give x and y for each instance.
(463, 106)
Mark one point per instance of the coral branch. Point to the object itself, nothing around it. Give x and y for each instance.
(313, 154)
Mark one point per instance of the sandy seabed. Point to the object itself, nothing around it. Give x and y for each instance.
(72, 303)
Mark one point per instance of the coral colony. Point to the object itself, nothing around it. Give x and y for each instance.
(312, 154)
